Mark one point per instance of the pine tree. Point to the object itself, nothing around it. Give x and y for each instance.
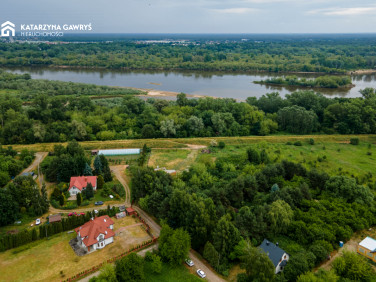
(100, 182)
(79, 199)
(98, 165)
(89, 191)
(87, 170)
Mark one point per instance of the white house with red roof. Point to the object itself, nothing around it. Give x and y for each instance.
(96, 233)
(79, 183)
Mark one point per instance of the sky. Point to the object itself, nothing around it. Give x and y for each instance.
(198, 16)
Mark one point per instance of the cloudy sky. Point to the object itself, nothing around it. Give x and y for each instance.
(199, 16)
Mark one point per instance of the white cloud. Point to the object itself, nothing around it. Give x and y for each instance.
(235, 10)
(344, 11)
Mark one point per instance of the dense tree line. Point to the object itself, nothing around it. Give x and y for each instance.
(64, 118)
(273, 55)
(22, 196)
(222, 203)
(319, 82)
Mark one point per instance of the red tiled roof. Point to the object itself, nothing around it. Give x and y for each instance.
(130, 210)
(90, 231)
(81, 182)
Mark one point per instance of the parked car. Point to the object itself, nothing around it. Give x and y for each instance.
(82, 213)
(201, 273)
(37, 222)
(72, 213)
(96, 211)
(111, 196)
(189, 262)
(98, 203)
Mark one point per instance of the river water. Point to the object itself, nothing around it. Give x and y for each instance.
(216, 84)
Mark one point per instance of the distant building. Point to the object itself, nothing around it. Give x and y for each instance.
(278, 256)
(54, 218)
(96, 233)
(367, 248)
(130, 211)
(119, 152)
(79, 183)
(31, 173)
(169, 171)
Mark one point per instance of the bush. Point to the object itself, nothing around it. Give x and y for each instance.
(298, 143)
(288, 143)
(311, 141)
(221, 145)
(354, 141)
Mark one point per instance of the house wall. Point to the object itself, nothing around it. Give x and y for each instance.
(74, 191)
(284, 257)
(367, 253)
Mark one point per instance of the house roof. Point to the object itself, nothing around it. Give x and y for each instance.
(274, 252)
(54, 218)
(130, 210)
(369, 243)
(81, 182)
(90, 231)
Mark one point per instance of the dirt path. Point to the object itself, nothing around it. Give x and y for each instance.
(119, 171)
(348, 246)
(39, 157)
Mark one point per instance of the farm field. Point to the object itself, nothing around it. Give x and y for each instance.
(45, 259)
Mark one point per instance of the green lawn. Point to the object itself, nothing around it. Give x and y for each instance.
(170, 274)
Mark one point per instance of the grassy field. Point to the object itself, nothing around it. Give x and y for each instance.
(45, 259)
(170, 159)
(331, 157)
(181, 142)
(170, 274)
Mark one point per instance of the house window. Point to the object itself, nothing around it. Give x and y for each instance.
(361, 250)
(370, 254)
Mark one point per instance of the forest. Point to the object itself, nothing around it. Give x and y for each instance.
(271, 55)
(34, 116)
(231, 201)
(319, 82)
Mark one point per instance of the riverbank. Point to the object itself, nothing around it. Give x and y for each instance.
(357, 72)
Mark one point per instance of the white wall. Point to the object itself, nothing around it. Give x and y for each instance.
(278, 268)
(74, 191)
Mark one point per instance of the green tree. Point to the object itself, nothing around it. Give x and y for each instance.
(97, 165)
(9, 208)
(352, 266)
(257, 264)
(156, 264)
(211, 255)
(280, 216)
(225, 236)
(130, 268)
(100, 182)
(253, 156)
(89, 192)
(79, 199)
(174, 245)
(87, 170)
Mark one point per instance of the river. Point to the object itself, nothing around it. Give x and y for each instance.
(216, 84)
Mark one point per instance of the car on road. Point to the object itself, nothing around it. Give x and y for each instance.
(189, 262)
(201, 273)
(98, 203)
(37, 222)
